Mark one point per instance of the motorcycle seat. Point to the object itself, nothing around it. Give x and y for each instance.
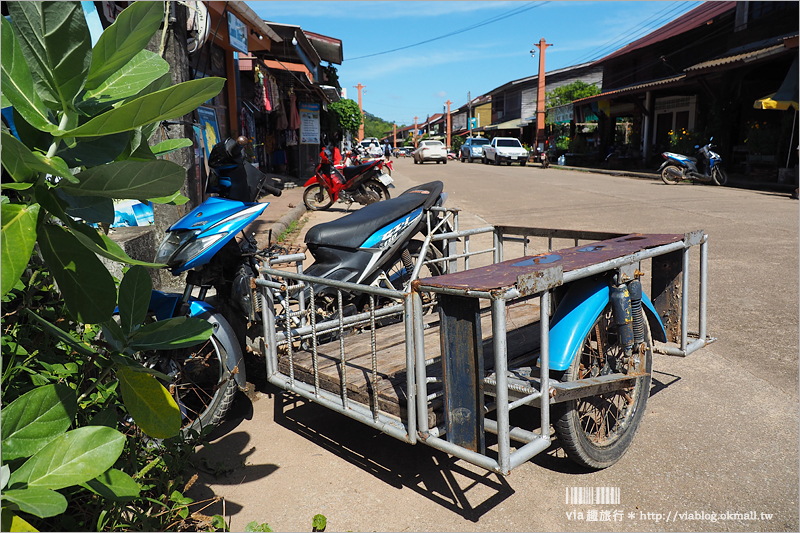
(352, 230)
(351, 172)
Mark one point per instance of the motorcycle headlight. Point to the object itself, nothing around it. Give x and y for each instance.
(171, 243)
(196, 247)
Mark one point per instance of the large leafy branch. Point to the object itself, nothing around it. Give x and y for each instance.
(83, 116)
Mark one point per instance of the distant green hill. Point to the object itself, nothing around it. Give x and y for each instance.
(376, 126)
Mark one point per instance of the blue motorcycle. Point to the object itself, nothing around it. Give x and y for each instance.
(679, 167)
(372, 246)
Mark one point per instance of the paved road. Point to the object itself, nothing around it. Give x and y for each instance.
(720, 435)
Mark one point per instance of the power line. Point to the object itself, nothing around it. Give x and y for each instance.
(496, 18)
(627, 37)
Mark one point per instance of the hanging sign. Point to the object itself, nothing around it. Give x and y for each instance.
(309, 123)
(237, 33)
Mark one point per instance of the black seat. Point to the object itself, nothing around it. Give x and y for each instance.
(351, 172)
(352, 230)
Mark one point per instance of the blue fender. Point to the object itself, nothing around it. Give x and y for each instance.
(164, 306)
(575, 316)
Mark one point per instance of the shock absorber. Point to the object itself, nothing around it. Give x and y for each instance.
(408, 262)
(621, 310)
(635, 291)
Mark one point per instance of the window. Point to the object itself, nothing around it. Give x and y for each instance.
(509, 143)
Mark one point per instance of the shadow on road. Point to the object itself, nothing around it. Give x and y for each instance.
(428, 472)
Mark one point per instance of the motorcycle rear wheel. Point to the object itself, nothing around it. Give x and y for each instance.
(316, 198)
(668, 177)
(719, 176)
(379, 189)
(596, 431)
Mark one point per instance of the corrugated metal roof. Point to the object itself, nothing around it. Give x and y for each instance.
(693, 19)
(745, 58)
(631, 89)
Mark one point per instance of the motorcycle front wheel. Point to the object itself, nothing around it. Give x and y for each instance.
(316, 198)
(719, 176)
(596, 431)
(201, 385)
(671, 175)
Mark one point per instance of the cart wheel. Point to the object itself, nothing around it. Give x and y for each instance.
(596, 431)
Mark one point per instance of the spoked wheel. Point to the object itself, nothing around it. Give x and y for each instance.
(316, 198)
(596, 431)
(201, 385)
(671, 175)
(719, 176)
(399, 273)
(379, 189)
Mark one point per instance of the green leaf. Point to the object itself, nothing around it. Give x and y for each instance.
(107, 417)
(175, 199)
(170, 145)
(85, 283)
(17, 159)
(134, 298)
(17, 237)
(31, 137)
(138, 180)
(135, 366)
(72, 458)
(149, 403)
(129, 80)
(178, 332)
(60, 334)
(17, 186)
(4, 473)
(169, 103)
(121, 41)
(114, 485)
(36, 418)
(56, 43)
(102, 245)
(11, 522)
(256, 527)
(37, 501)
(17, 81)
(24, 165)
(319, 523)
(94, 151)
(92, 209)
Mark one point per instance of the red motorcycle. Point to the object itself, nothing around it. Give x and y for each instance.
(365, 183)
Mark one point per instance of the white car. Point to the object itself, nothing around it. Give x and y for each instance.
(372, 146)
(430, 151)
(505, 150)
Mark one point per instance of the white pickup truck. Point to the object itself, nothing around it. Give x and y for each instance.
(505, 149)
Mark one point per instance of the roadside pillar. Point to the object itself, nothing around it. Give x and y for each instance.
(361, 110)
(542, 46)
(448, 123)
(415, 132)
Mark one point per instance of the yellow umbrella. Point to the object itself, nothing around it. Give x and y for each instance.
(786, 95)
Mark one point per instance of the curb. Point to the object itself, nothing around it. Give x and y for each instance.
(293, 215)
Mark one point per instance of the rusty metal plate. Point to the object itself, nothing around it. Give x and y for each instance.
(505, 275)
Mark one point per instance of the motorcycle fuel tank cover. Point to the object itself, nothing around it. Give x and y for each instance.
(211, 212)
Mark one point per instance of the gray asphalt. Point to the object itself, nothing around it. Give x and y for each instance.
(718, 446)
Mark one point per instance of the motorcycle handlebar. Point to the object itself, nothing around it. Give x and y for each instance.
(272, 190)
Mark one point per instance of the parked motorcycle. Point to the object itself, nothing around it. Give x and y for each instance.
(203, 244)
(679, 167)
(365, 183)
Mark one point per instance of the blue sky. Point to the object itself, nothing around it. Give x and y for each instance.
(416, 81)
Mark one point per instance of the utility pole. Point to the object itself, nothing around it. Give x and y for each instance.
(361, 109)
(415, 132)
(469, 112)
(542, 46)
(448, 122)
(394, 135)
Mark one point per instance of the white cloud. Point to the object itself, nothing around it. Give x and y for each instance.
(440, 94)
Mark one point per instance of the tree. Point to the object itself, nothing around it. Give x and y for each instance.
(347, 116)
(569, 93)
(83, 117)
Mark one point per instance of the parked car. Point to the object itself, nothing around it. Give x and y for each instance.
(505, 150)
(472, 148)
(430, 151)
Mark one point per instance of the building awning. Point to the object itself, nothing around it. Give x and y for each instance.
(786, 95)
(747, 57)
(631, 89)
(509, 125)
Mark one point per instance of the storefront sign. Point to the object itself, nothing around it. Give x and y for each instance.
(237, 33)
(309, 123)
(209, 128)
